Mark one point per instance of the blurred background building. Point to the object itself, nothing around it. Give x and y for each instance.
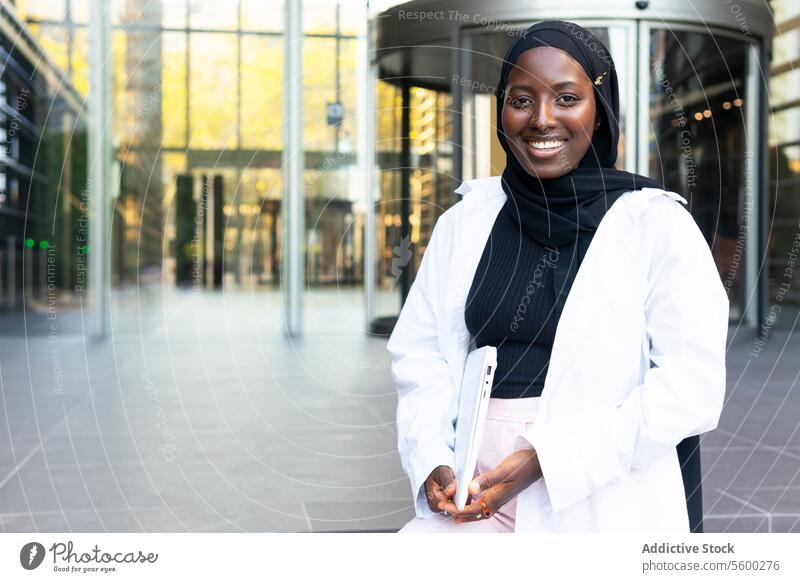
(197, 130)
(196, 123)
(708, 104)
(196, 103)
(396, 110)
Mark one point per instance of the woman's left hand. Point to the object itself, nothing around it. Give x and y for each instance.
(515, 473)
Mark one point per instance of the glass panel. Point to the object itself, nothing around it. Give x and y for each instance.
(784, 128)
(145, 15)
(402, 245)
(69, 58)
(136, 77)
(252, 226)
(41, 9)
(482, 155)
(697, 145)
(262, 92)
(213, 95)
(783, 89)
(261, 16)
(319, 88)
(784, 179)
(331, 179)
(53, 39)
(173, 13)
(388, 102)
(120, 82)
(330, 216)
(319, 18)
(173, 83)
(152, 102)
(783, 232)
(387, 209)
(262, 191)
(786, 47)
(351, 16)
(123, 13)
(79, 11)
(431, 155)
(80, 57)
(348, 137)
(220, 15)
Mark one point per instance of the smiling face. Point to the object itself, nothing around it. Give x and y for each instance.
(549, 112)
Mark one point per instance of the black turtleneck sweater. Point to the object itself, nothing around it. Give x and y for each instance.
(513, 266)
(512, 305)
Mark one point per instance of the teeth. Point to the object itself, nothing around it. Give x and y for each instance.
(546, 145)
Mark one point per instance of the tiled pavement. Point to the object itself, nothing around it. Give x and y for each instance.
(198, 414)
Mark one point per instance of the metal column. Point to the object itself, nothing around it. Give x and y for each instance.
(754, 189)
(99, 170)
(292, 263)
(367, 73)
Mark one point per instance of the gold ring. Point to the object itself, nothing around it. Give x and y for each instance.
(487, 511)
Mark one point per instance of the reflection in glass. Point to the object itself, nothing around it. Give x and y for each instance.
(404, 226)
(261, 16)
(197, 94)
(213, 93)
(698, 145)
(262, 59)
(173, 84)
(213, 15)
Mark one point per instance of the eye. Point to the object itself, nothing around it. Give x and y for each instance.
(519, 102)
(569, 99)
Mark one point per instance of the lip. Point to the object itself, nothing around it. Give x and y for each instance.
(544, 154)
(544, 138)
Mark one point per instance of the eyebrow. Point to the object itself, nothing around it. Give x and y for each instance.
(558, 85)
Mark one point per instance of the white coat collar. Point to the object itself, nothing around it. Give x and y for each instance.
(482, 199)
(489, 187)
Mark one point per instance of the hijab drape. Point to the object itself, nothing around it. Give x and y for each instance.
(564, 212)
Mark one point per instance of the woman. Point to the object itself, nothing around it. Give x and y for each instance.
(601, 370)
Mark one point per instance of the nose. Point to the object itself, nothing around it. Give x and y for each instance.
(542, 116)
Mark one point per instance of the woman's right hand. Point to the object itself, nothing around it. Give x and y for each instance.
(440, 487)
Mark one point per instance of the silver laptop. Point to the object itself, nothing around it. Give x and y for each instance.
(473, 401)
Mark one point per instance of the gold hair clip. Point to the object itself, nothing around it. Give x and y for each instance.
(599, 79)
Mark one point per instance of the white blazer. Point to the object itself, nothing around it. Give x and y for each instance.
(608, 422)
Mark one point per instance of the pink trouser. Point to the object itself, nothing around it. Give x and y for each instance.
(505, 419)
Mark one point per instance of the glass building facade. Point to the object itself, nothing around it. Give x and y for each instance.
(700, 109)
(43, 169)
(198, 137)
(197, 124)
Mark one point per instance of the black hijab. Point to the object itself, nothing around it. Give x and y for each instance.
(564, 212)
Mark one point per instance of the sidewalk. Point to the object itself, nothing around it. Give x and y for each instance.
(198, 414)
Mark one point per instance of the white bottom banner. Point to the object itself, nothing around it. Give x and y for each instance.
(423, 557)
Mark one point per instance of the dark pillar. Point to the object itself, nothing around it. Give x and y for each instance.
(405, 188)
(118, 233)
(275, 211)
(184, 229)
(205, 197)
(219, 230)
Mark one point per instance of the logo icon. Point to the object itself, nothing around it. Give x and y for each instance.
(402, 254)
(31, 555)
